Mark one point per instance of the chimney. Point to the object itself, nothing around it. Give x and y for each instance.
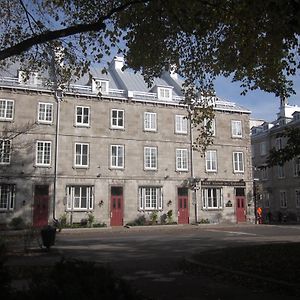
(117, 63)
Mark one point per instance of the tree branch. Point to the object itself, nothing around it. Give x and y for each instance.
(65, 32)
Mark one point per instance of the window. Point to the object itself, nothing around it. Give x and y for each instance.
(297, 166)
(283, 199)
(82, 116)
(6, 110)
(181, 124)
(117, 118)
(238, 162)
(45, 112)
(212, 198)
(278, 145)
(101, 86)
(236, 128)
(266, 200)
(210, 125)
(5, 147)
(149, 121)
(280, 171)
(182, 160)
(264, 173)
(43, 153)
(297, 198)
(253, 150)
(81, 155)
(117, 156)
(7, 196)
(211, 161)
(150, 198)
(150, 158)
(263, 148)
(80, 197)
(164, 93)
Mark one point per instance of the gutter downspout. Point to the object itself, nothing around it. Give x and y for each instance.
(58, 98)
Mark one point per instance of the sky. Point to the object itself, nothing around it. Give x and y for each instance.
(262, 105)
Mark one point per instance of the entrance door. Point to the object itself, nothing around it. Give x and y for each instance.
(183, 206)
(41, 205)
(116, 206)
(240, 205)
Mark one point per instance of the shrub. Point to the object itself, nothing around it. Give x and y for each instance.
(139, 221)
(17, 223)
(203, 221)
(163, 219)
(99, 225)
(153, 217)
(170, 216)
(90, 219)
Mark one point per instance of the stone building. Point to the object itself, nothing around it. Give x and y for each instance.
(277, 188)
(117, 149)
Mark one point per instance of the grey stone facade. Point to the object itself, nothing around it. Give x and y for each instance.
(278, 188)
(104, 151)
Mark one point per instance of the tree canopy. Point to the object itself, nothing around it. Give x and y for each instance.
(256, 42)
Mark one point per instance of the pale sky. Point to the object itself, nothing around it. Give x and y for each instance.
(262, 105)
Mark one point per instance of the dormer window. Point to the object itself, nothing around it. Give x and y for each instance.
(100, 85)
(164, 93)
(29, 78)
(296, 116)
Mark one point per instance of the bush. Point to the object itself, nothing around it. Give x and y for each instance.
(203, 221)
(17, 223)
(170, 216)
(99, 225)
(153, 217)
(139, 221)
(90, 220)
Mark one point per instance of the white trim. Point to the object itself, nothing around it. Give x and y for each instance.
(211, 161)
(117, 118)
(297, 197)
(80, 155)
(41, 153)
(10, 193)
(122, 156)
(238, 164)
(181, 124)
(150, 198)
(150, 158)
(236, 129)
(182, 161)
(5, 108)
(71, 198)
(210, 195)
(44, 113)
(150, 121)
(4, 156)
(82, 116)
(282, 200)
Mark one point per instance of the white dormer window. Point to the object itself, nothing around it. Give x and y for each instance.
(99, 85)
(164, 93)
(30, 78)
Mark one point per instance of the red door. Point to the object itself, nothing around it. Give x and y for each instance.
(183, 206)
(116, 206)
(240, 209)
(41, 205)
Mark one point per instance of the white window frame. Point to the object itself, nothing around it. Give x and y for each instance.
(150, 122)
(150, 158)
(114, 123)
(280, 171)
(164, 93)
(238, 162)
(211, 161)
(278, 144)
(212, 128)
(297, 198)
(282, 199)
(7, 196)
(181, 124)
(5, 151)
(79, 156)
(266, 200)
(6, 110)
(150, 198)
(236, 129)
(212, 198)
(117, 158)
(75, 195)
(80, 117)
(43, 155)
(101, 85)
(182, 162)
(296, 162)
(263, 149)
(45, 112)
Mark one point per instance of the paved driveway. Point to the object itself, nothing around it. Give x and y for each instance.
(149, 257)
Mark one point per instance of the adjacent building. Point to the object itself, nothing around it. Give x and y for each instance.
(112, 147)
(277, 188)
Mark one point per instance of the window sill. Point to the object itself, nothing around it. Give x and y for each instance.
(82, 126)
(81, 167)
(43, 166)
(117, 128)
